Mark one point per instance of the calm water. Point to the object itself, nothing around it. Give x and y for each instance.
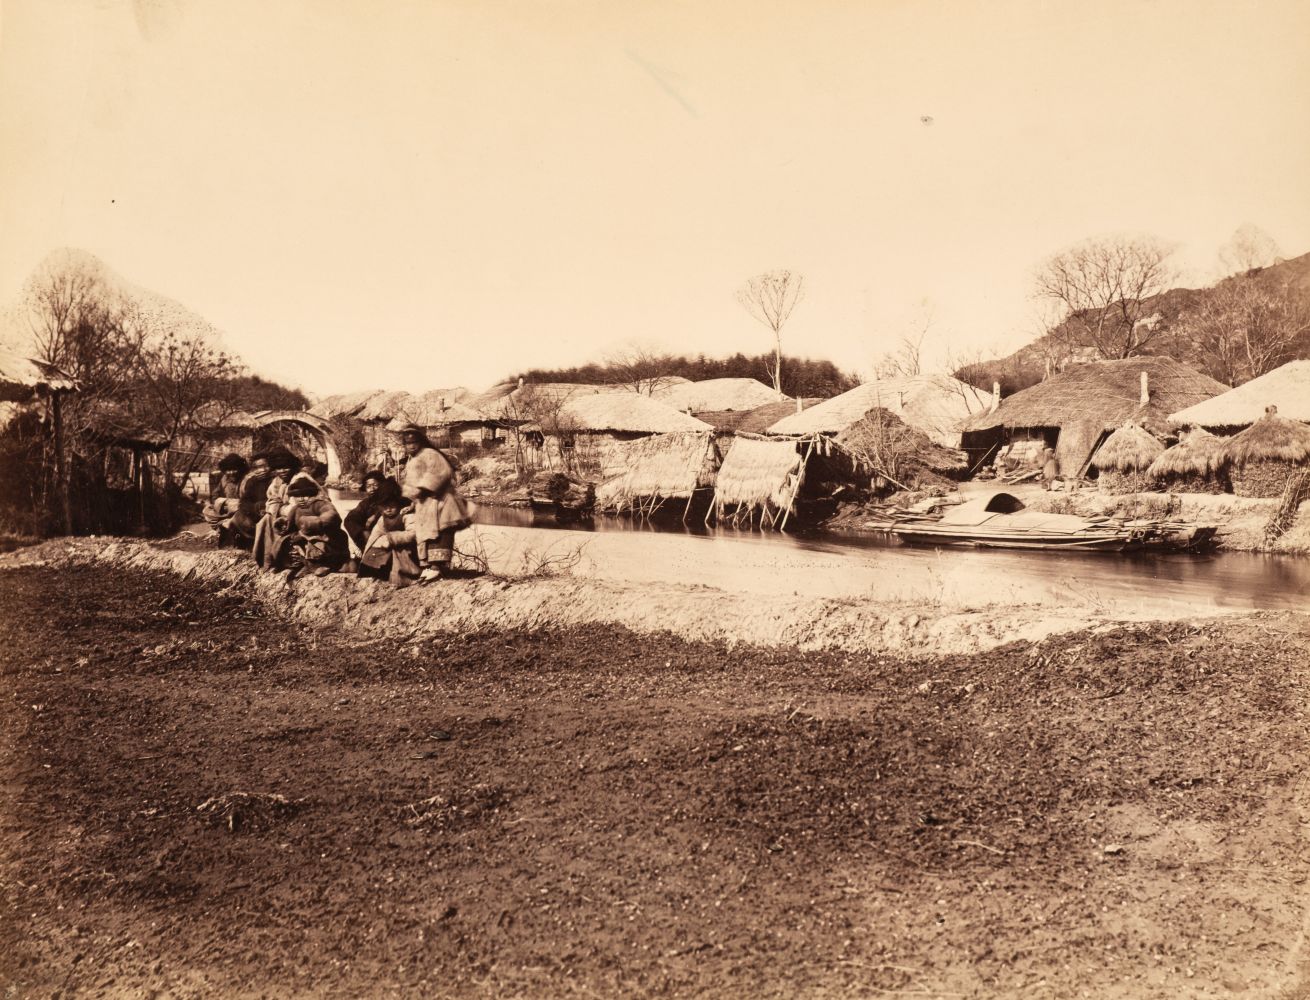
(863, 565)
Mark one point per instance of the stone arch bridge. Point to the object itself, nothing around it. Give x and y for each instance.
(316, 425)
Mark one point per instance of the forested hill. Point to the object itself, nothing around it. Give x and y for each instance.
(1263, 314)
(800, 376)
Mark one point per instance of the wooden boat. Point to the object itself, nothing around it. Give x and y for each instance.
(1000, 520)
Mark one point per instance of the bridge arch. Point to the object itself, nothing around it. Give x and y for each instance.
(316, 425)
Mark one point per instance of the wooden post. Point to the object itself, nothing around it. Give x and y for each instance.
(61, 462)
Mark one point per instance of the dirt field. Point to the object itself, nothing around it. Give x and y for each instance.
(589, 812)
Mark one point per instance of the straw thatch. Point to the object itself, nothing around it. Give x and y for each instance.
(758, 474)
(1287, 387)
(1272, 438)
(343, 404)
(755, 421)
(1129, 449)
(1197, 453)
(1106, 394)
(1193, 465)
(22, 378)
(625, 412)
(383, 406)
(938, 405)
(513, 402)
(1084, 401)
(718, 394)
(660, 467)
(431, 413)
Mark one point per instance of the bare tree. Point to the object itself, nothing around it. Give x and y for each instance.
(1243, 330)
(1249, 247)
(642, 369)
(770, 298)
(907, 358)
(1103, 285)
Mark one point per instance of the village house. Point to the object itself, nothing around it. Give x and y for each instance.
(1075, 410)
(937, 405)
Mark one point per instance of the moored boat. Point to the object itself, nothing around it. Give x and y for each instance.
(1000, 520)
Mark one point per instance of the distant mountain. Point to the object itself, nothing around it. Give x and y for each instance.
(1168, 312)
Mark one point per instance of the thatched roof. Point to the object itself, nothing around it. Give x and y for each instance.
(1271, 438)
(1197, 453)
(383, 405)
(663, 466)
(1103, 395)
(717, 394)
(21, 378)
(1287, 387)
(536, 400)
(1129, 449)
(343, 404)
(625, 412)
(755, 421)
(936, 404)
(438, 408)
(756, 473)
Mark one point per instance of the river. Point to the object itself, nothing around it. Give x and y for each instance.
(851, 565)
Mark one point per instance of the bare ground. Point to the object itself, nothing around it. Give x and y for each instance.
(1116, 812)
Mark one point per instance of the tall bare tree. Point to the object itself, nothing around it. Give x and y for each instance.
(770, 298)
(1103, 285)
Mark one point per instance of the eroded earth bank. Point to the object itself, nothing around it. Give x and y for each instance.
(216, 784)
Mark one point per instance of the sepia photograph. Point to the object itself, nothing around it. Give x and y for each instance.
(653, 499)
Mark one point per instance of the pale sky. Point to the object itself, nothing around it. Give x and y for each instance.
(411, 195)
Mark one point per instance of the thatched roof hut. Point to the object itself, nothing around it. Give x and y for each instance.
(718, 394)
(886, 445)
(1129, 449)
(1082, 404)
(661, 467)
(23, 378)
(758, 475)
(383, 406)
(346, 404)
(1124, 458)
(625, 413)
(1262, 458)
(938, 405)
(1287, 387)
(1193, 465)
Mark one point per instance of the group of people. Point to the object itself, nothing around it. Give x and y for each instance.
(277, 508)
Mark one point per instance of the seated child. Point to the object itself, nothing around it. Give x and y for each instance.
(392, 549)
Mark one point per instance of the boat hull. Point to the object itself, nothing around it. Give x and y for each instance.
(1108, 542)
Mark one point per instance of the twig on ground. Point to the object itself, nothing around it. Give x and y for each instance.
(985, 847)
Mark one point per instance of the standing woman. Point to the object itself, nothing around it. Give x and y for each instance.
(439, 510)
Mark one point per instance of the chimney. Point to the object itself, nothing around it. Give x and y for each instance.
(1146, 390)
(520, 381)
(1271, 410)
(996, 395)
(799, 405)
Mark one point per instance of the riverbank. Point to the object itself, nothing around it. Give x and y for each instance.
(205, 795)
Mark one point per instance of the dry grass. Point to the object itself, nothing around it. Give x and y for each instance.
(1129, 449)
(1198, 454)
(757, 474)
(1270, 439)
(660, 467)
(1106, 394)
